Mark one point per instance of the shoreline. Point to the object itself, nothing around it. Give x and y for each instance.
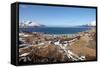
(53, 31)
(37, 43)
(60, 34)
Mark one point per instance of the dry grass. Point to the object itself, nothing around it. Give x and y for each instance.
(84, 47)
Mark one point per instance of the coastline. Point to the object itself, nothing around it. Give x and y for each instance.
(66, 45)
(54, 31)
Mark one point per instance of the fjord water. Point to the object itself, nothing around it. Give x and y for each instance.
(55, 30)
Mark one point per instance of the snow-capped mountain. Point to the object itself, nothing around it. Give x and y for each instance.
(30, 24)
(92, 24)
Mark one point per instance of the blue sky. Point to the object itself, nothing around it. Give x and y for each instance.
(56, 16)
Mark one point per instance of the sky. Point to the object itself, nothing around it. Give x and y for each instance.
(56, 16)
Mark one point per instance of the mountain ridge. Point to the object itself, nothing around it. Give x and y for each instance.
(27, 24)
(30, 24)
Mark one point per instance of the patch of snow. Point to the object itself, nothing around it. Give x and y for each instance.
(29, 24)
(25, 54)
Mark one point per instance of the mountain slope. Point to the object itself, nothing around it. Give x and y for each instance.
(30, 24)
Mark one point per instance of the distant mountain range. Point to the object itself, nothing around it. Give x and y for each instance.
(92, 24)
(27, 24)
(33, 24)
(88, 25)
